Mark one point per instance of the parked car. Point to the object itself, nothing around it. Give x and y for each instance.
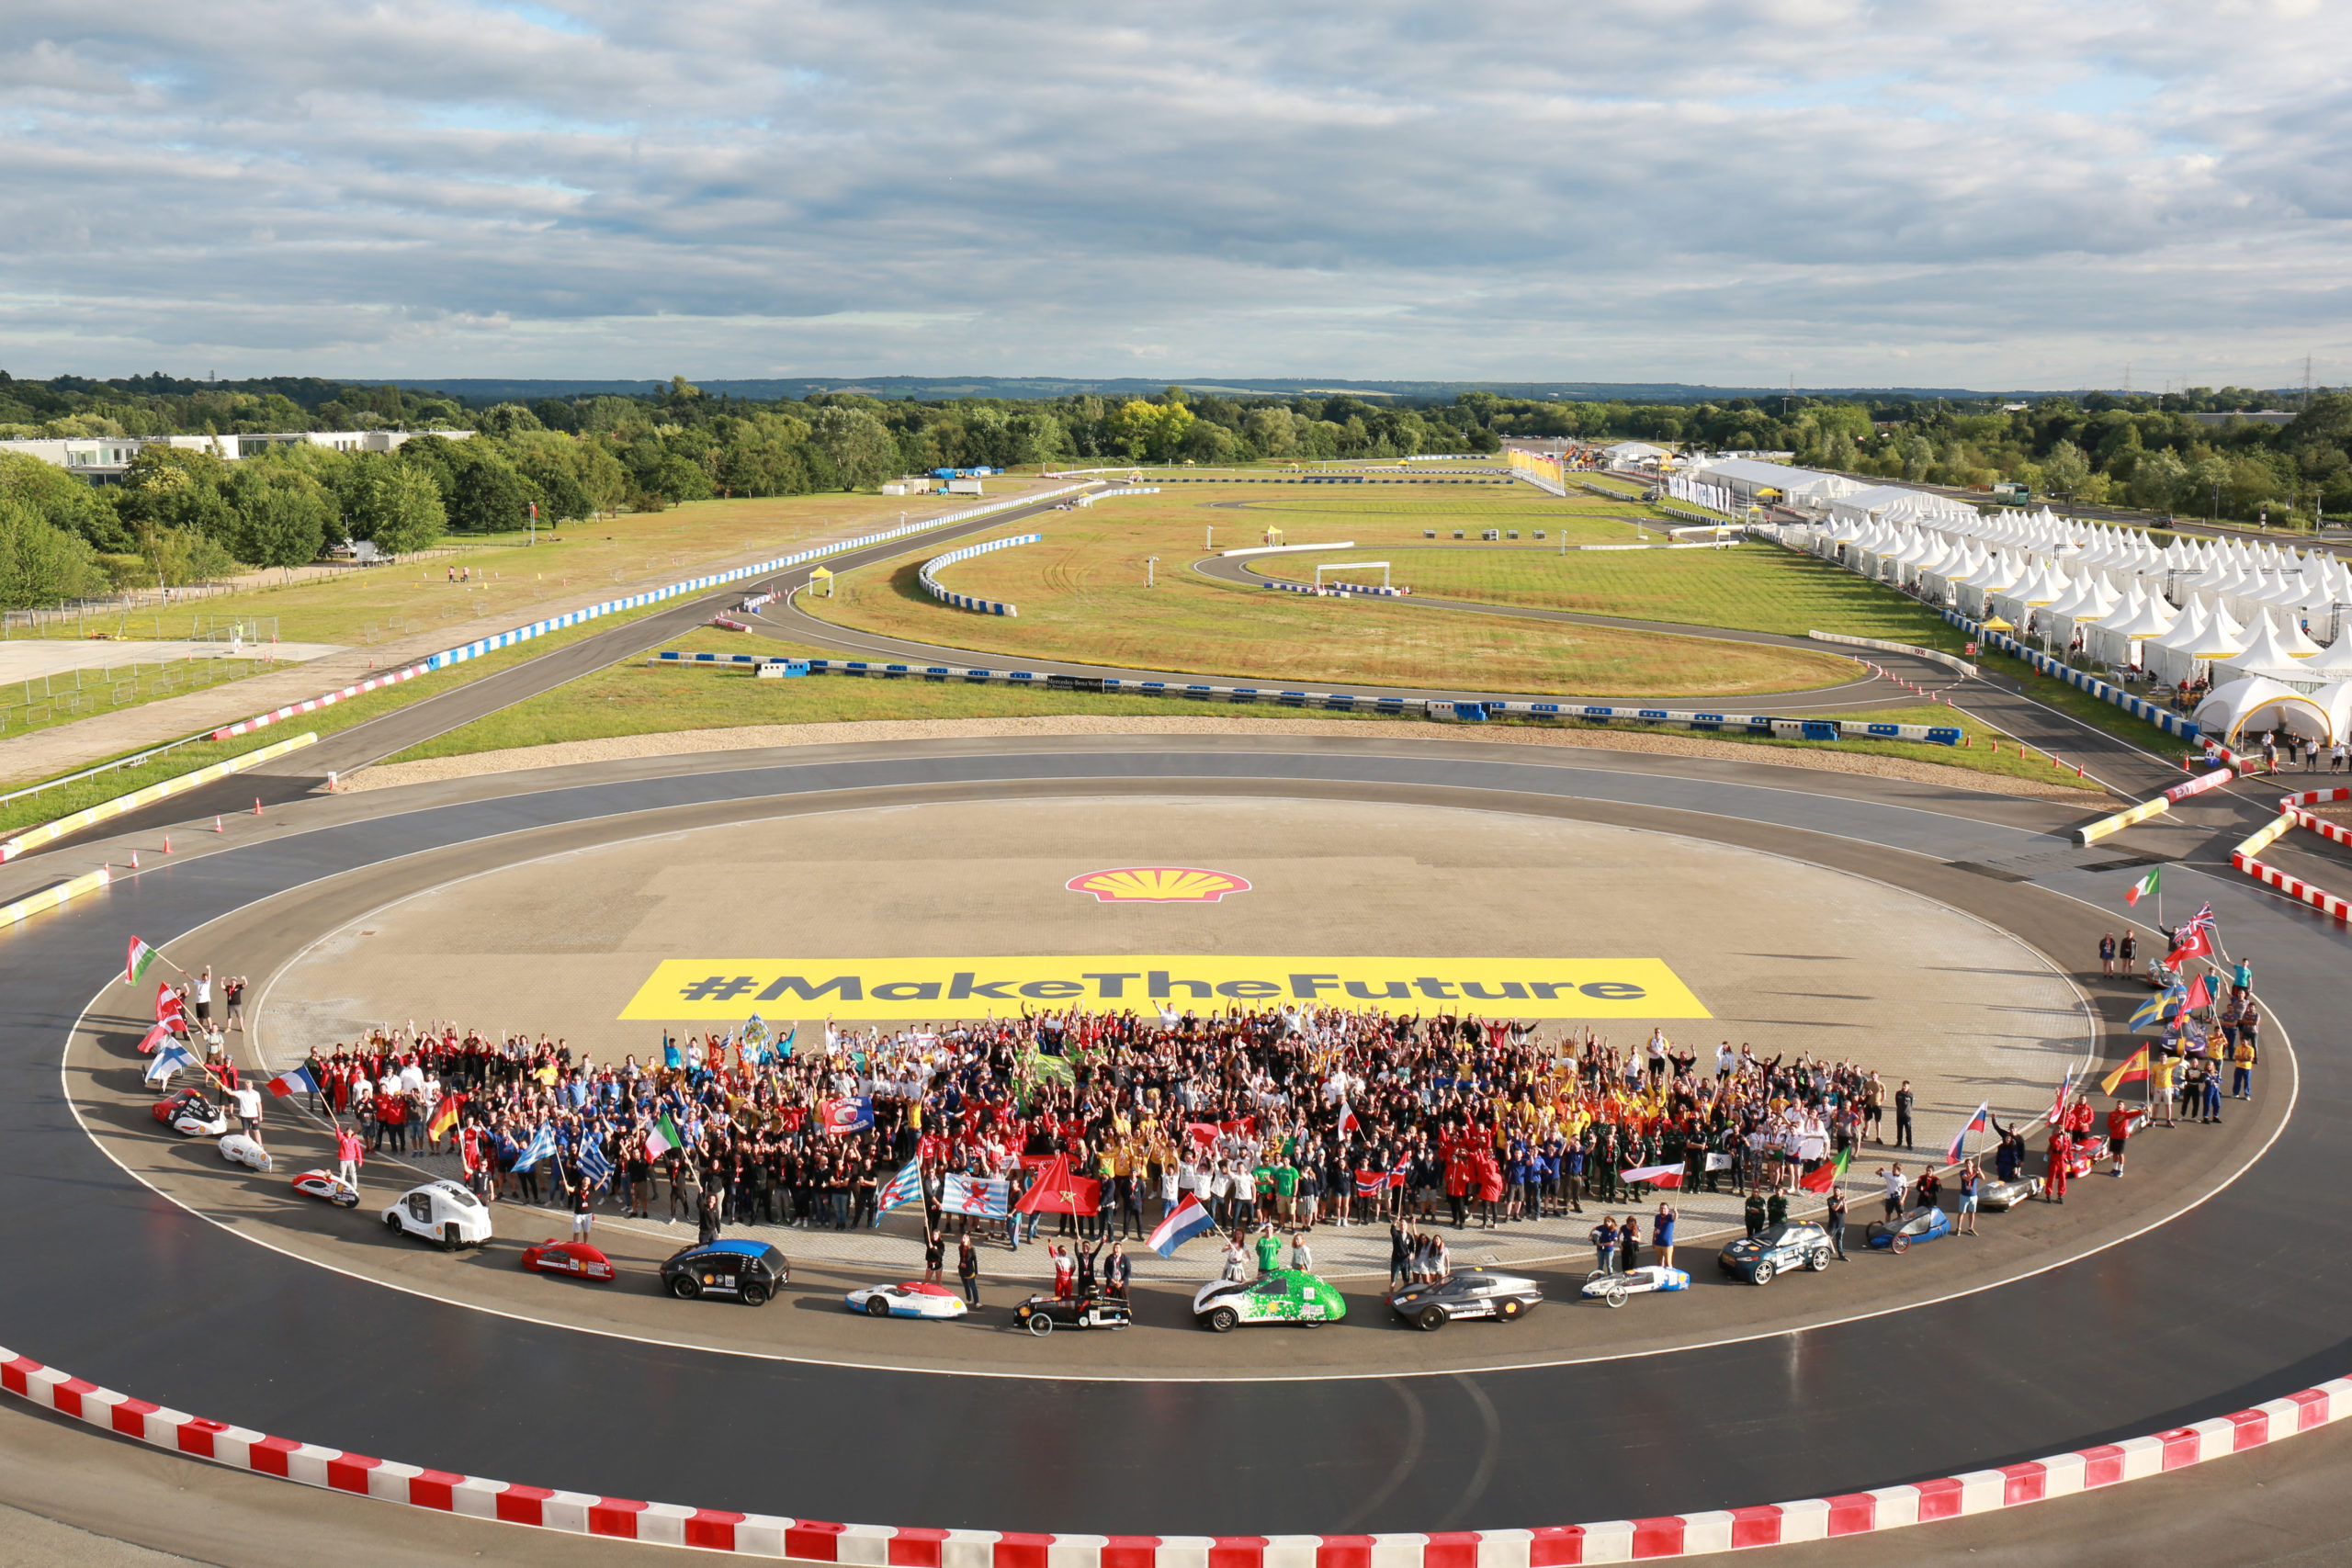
(747, 1271)
(569, 1260)
(1465, 1292)
(1279, 1296)
(1615, 1288)
(442, 1211)
(1926, 1222)
(1775, 1250)
(910, 1299)
(238, 1149)
(1040, 1315)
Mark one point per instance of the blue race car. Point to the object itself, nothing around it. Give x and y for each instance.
(1897, 1235)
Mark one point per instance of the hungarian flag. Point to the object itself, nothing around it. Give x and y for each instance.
(1823, 1176)
(2134, 1067)
(136, 964)
(1057, 1191)
(1656, 1175)
(444, 1115)
(663, 1137)
(169, 1009)
(2144, 886)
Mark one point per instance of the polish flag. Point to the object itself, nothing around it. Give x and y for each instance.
(1656, 1175)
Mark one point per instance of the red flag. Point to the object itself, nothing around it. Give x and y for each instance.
(167, 1003)
(155, 1036)
(1202, 1132)
(2199, 994)
(1243, 1128)
(2190, 942)
(1823, 1176)
(1057, 1191)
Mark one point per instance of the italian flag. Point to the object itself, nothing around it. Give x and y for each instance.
(136, 964)
(662, 1138)
(1824, 1177)
(2144, 886)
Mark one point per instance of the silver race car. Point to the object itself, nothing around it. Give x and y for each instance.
(1615, 1288)
(1466, 1292)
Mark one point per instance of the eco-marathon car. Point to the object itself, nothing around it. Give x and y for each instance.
(442, 1211)
(1279, 1296)
(746, 1271)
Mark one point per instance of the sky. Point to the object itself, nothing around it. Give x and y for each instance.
(2004, 194)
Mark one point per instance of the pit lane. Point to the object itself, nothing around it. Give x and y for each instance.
(1381, 1469)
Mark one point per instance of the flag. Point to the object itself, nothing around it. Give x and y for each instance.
(2151, 1013)
(2200, 994)
(541, 1147)
(756, 1031)
(663, 1136)
(1057, 1191)
(988, 1197)
(1718, 1162)
(1184, 1221)
(298, 1081)
(2144, 886)
(851, 1115)
(1371, 1184)
(1823, 1176)
(169, 1060)
(2194, 937)
(1202, 1132)
(136, 964)
(1397, 1173)
(2136, 1066)
(1975, 1123)
(167, 1003)
(1348, 1123)
(155, 1036)
(2058, 1101)
(904, 1187)
(594, 1163)
(444, 1116)
(1656, 1174)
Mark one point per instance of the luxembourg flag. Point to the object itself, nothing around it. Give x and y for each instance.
(298, 1081)
(1184, 1221)
(905, 1188)
(1656, 1175)
(1976, 1123)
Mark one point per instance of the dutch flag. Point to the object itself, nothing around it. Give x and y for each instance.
(1184, 1221)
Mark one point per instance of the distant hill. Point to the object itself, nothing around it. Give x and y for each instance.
(934, 389)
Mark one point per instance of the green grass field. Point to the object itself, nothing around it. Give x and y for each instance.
(1082, 596)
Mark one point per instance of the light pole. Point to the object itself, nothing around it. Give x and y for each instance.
(1209, 543)
(1150, 572)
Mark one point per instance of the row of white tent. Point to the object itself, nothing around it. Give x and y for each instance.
(2218, 608)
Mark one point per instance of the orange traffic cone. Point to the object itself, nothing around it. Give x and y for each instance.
(135, 860)
(216, 825)
(167, 843)
(256, 806)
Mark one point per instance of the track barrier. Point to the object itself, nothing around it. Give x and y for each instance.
(966, 601)
(2138, 707)
(74, 822)
(2245, 855)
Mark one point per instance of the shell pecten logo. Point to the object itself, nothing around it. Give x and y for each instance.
(1158, 885)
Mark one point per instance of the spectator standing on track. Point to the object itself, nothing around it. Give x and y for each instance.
(248, 1100)
(1891, 1185)
(1400, 1249)
(2242, 1057)
(2127, 951)
(350, 1153)
(1968, 1180)
(1903, 1100)
(1776, 1206)
(233, 994)
(2118, 1129)
(2106, 955)
(583, 1209)
(1269, 1250)
(1662, 1233)
(1117, 1271)
(1629, 1245)
(2062, 1152)
(203, 1000)
(1753, 1211)
(1604, 1244)
(935, 1252)
(968, 1269)
(1302, 1260)
(1835, 1221)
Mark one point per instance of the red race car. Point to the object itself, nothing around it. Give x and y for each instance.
(572, 1259)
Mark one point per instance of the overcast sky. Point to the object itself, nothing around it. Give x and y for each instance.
(1996, 192)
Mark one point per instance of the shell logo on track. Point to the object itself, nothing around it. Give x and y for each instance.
(1158, 885)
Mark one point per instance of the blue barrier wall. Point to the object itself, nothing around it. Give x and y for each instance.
(2162, 719)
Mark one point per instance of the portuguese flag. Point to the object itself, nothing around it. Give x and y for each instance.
(136, 964)
(1823, 1176)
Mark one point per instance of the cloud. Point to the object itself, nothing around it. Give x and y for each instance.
(2001, 194)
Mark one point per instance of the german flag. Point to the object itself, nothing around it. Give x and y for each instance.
(444, 1116)
(2134, 1068)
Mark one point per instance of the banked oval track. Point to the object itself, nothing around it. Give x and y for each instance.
(2235, 1301)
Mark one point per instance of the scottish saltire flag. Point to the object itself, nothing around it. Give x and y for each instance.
(596, 1164)
(904, 1187)
(298, 1081)
(169, 1060)
(990, 1198)
(1184, 1221)
(1976, 1123)
(541, 1147)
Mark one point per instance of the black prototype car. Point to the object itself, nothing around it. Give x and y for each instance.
(746, 1271)
(1776, 1249)
(1041, 1314)
(1466, 1292)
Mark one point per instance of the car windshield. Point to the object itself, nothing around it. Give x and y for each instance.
(1772, 1235)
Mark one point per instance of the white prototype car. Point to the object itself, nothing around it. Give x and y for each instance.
(327, 1185)
(1608, 1285)
(912, 1298)
(442, 1211)
(193, 1123)
(238, 1149)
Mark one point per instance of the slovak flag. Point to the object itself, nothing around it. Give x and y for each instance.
(1656, 1175)
(852, 1115)
(298, 1081)
(1184, 1221)
(1976, 1123)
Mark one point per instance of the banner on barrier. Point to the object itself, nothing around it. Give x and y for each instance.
(696, 989)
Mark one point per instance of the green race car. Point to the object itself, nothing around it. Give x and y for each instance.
(1279, 1296)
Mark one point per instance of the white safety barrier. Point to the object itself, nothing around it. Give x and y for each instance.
(966, 601)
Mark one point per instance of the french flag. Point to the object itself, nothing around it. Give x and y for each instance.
(298, 1081)
(1184, 1221)
(1976, 1123)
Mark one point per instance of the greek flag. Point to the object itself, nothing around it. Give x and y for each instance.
(596, 1164)
(904, 1187)
(541, 1147)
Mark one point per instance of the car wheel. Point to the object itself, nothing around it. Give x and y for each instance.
(754, 1295)
(450, 1239)
(1429, 1320)
(1899, 1243)
(392, 1223)
(877, 1307)
(686, 1287)
(350, 1203)
(1764, 1272)
(1041, 1324)
(1816, 1261)
(1508, 1311)
(1618, 1295)
(1222, 1320)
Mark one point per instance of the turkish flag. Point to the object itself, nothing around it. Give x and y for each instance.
(2195, 941)
(1057, 1191)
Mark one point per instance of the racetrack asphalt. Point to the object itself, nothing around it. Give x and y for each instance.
(2235, 1301)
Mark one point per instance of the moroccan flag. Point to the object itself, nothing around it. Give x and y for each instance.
(1823, 1176)
(136, 964)
(2144, 886)
(2135, 1068)
(444, 1116)
(1057, 1191)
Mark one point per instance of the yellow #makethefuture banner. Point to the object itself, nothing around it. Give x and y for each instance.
(731, 988)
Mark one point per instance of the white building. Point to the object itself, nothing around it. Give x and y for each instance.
(101, 460)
